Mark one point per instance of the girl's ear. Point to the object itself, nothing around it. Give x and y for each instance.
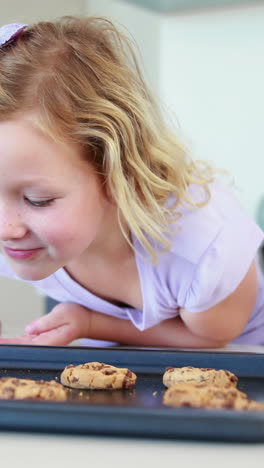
(93, 154)
(108, 194)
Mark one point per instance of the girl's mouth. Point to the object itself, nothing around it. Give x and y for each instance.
(18, 254)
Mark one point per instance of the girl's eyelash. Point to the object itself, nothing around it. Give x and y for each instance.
(39, 203)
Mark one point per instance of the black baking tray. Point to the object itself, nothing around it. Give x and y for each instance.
(130, 413)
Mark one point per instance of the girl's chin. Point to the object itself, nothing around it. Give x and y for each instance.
(33, 274)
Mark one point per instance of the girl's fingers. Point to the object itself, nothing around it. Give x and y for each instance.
(73, 317)
(43, 324)
(60, 336)
(54, 319)
(64, 324)
(18, 340)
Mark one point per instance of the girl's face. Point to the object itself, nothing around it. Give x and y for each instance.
(52, 205)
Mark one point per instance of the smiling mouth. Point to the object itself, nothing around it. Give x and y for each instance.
(19, 254)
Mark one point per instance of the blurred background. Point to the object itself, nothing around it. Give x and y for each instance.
(204, 59)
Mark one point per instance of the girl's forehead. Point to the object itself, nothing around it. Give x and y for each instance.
(21, 134)
(30, 131)
(25, 145)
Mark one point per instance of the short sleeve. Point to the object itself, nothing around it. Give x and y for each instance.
(224, 264)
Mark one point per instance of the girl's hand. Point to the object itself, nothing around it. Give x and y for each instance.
(64, 324)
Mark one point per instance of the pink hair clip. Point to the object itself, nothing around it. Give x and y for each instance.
(9, 32)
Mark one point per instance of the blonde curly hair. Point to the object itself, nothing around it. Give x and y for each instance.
(82, 79)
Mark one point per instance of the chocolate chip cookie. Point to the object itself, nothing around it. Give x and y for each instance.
(21, 389)
(189, 374)
(203, 395)
(97, 376)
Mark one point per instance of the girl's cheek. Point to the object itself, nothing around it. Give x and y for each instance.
(59, 238)
(52, 236)
(52, 228)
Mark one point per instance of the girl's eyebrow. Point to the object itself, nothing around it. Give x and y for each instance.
(41, 185)
(39, 180)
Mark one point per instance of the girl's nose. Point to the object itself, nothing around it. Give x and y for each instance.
(11, 226)
(9, 231)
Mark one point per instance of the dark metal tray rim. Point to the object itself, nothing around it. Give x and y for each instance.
(176, 423)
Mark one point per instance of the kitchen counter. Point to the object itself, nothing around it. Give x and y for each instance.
(46, 451)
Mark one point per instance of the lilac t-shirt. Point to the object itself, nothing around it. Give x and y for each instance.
(212, 251)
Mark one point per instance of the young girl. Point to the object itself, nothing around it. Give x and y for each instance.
(103, 210)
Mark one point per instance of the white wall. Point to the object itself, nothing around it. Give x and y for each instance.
(143, 25)
(207, 66)
(35, 10)
(212, 75)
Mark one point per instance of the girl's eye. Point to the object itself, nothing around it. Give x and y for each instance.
(39, 203)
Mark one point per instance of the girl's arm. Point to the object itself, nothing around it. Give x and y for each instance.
(68, 322)
(226, 320)
(214, 327)
(171, 333)
(209, 329)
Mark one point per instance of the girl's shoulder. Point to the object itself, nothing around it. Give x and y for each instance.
(212, 250)
(221, 222)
